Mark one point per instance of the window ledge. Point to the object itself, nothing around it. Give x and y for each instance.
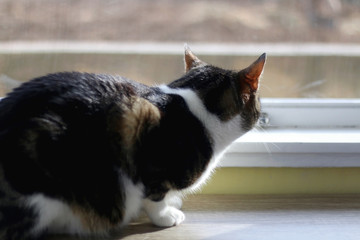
(295, 148)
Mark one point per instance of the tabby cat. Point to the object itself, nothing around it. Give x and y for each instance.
(82, 153)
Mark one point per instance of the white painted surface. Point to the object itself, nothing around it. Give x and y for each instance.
(312, 113)
(176, 48)
(295, 148)
(301, 133)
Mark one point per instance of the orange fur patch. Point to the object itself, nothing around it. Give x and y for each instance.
(140, 116)
(92, 222)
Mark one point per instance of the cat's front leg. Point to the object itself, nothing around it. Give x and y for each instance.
(163, 215)
(174, 200)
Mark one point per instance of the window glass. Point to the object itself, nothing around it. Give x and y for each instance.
(331, 23)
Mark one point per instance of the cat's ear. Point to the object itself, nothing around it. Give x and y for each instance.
(191, 61)
(254, 71)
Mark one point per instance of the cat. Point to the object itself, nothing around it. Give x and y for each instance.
(82, 153)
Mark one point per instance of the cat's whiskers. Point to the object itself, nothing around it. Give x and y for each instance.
(261, 129)
(267, 87)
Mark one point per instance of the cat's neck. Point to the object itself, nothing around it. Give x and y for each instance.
(222, 133)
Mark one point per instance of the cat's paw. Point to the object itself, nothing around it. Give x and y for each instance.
(175, 201)
(169, 217)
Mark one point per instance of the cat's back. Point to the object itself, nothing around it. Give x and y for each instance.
(67, 93)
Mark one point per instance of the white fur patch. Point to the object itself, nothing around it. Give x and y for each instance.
(163, 215)
(223, 133)
(54, 216)
(173, 198)
(134, 196)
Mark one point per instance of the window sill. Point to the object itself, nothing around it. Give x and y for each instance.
(296, 148)
(228, 217)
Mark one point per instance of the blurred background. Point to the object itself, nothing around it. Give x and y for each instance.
(333, 25)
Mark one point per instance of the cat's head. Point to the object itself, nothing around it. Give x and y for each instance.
(225, 93)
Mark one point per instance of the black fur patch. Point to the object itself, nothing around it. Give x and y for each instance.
(16, 221)
(175, 153)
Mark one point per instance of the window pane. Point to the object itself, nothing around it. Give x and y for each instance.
(304, 75)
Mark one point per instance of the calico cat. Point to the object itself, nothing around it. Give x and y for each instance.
(82, 153)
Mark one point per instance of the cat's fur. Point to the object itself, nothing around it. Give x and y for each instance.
(83, 153)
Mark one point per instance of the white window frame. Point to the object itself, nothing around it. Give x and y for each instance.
(301, 133)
